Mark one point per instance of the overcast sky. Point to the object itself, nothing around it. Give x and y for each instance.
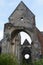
(8, 6)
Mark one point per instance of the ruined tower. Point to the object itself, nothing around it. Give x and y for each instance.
(22, 19)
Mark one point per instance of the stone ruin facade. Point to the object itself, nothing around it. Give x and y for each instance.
(22, 19)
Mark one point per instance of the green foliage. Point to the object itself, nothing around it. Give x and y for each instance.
(6, 59)
(26, 62)
(38, 62)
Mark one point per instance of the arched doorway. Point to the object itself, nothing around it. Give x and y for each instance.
(24, 35)
(24, 32)
(26, 55)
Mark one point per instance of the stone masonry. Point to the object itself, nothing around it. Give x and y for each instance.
(22, 19)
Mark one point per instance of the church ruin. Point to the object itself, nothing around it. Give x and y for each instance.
(22, 19)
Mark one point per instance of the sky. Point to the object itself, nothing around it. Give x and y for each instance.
(8, 6)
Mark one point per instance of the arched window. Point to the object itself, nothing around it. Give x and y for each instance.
(24, 36)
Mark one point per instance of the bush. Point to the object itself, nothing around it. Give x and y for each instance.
(6, 59)
(38, 62)
(26, 62)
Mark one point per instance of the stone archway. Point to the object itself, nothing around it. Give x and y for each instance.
(17, 30)
(13, 34)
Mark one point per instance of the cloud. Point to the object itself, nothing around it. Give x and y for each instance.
(1, 34)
